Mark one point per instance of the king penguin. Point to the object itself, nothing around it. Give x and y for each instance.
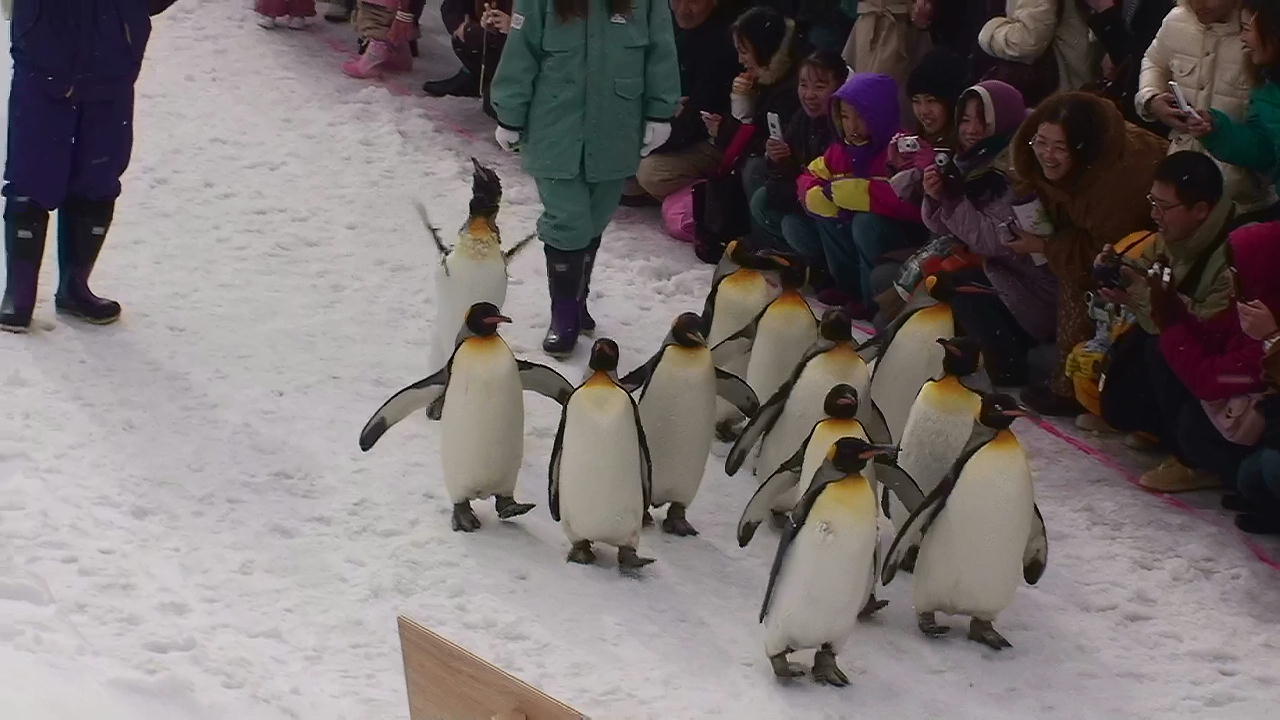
(678, 408)
(482, 440)
(600, 475)
(824, 570)
(979, 532)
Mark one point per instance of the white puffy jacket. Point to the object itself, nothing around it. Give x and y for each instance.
(1031, 27)
(1209, 64)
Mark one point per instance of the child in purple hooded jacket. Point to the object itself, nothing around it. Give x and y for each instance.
(859, 215)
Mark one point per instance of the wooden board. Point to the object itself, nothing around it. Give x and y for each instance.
(446, 682)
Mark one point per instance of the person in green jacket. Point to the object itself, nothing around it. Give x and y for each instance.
(585, 88)
(1254, 143)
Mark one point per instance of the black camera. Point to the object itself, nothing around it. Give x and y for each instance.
(1107, 273)
(944, 160)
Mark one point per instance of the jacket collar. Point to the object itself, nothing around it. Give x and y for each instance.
(780, 64)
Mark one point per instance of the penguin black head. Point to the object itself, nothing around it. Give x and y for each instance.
(836, 326)
(941, 287)
(486, 191)
(687, 330)
(764, 260)
(484, 318)
(793, 276)
(1000, 410)
(604, 355)
(850, 454)
(962, 356)
(841, 402)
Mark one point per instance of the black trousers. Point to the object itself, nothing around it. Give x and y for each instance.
(1003, 342)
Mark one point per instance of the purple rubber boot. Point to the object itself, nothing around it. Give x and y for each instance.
(566, 281)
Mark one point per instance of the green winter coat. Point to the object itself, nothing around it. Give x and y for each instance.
(581, 91)
(1253, 143)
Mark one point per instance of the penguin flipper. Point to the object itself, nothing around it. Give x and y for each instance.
(544, 381)
(914, 529)
(401, 405)
(637, 378)
(760, 424)
(825, 475)
(735, 390)
(709, 307)
(1036, 555)
(761, 503)
(893, 477)
(510, 253)
(732, 348)
(443, 249)
(646, 460)
(553, 473)
(873, 422)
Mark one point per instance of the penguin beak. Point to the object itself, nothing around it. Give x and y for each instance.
(1022, 411)
(875, 450)
(497, 320)
(976, 289)
(951, 349)
(698, 338)
(844, 401)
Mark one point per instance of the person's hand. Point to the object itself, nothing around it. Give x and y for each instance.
(1108, 68)
(922, 14)
(898, 159)
(1100, 5)
(507, 139)
(1166, 110)
(1025, 243)
(655, 135)
(1200, 125)
(1256, 320)
(496, 20)
(744, 84)
(1166, 306)
(712, 122)
(932, 183)
(461, 31)
(681, 104)
(1120, 296)
(776, 150)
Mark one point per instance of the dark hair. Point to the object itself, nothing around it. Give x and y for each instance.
(1266, 22)
(1083, 123)
(829, 62)
(764, 28)
(567, 10)
(1194, 176)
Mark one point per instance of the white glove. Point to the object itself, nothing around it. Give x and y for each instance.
(507, 139)
(741, 106)
(655, 135)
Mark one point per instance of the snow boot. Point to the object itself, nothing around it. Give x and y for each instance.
(588, 322)
(82, 228)
(25, 226)
(371, 62)
(266, 21)
(461, 84)
(400, 59)
(565, 281)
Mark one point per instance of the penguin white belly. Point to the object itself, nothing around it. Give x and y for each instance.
(477, 273)
(826, 576)
(824, 436)
(678, 413)
(787, 330)
(805, 408)
(601, 495)
(936, 431)
(913, 358)
(739, 299)
(970, 560)
(482, 434)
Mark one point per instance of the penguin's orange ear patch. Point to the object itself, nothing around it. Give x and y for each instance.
(930, 282)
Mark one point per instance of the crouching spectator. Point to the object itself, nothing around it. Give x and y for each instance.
(478, 33)
(1257, 496)
(385, 28)
(859, 214)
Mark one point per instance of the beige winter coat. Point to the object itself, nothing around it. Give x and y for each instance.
(1209, 64)
(1030, 27)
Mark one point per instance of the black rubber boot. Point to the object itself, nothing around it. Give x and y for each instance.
(82, 228)
(588, 322)
(566, 281)
(25, 227)
(461, 84)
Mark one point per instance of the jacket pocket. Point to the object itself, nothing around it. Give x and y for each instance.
(629, 88)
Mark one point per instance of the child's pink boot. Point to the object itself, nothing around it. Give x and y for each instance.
(371, 63)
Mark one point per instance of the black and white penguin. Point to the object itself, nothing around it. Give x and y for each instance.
(600, 476)
(942, 418)
(786, 418)
(824, 571)
(678, 408)
(979, 532)
(482, 442)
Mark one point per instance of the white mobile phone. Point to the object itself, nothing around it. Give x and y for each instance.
(775, 126)
(1181, 99)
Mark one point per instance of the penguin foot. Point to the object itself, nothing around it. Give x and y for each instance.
(647, 520)
(780, 519)
(728, 431)
(825, 669)
(928, 625)
(581, 553)
(464, 519)
(675, 523)
(436, 409)
(872, 607)
(786, 670)
(908, 563)
(628, 559)
(508, 508)
(981, 631)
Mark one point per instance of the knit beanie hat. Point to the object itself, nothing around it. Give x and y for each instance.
(764, 29)
(942, 74)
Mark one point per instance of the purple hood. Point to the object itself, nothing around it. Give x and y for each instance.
(875, 97)
(1002, 105)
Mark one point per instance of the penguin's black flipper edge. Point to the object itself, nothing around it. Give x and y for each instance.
(825, 475)
(709, 307)
(761, 502)
(544, 380)
(404, 403)
(646, 460)
(731, 348)
(873, 422)
(509, 254)
(1036, 555)
(553, 472)
(761, 423)
(915, 527)
(737, 392)
(637, 378)
(893, 477)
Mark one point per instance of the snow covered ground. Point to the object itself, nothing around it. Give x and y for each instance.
(188, 530)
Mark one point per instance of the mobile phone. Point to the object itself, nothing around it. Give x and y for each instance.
(775, 125)
(1181, 99)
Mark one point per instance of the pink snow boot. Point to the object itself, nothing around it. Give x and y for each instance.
(400, 59)
(372, 63)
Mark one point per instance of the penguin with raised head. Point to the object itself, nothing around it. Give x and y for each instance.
(786, 418)
(942, 418)
(824, 570)
(600, 474)
(907, 353)
(482, 440)
(979, 532)
(678, 408)
(473, 270)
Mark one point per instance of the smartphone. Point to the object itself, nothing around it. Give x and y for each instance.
(1181, 99)
(775, 125)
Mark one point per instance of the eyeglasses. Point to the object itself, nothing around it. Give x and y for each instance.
(1044, 147)
(1161, 206)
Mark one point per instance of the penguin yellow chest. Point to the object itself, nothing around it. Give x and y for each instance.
(677, 412)
(739, 298)
(482, 427)
(825, 434)
(786, 332)
(601, 492)
(912, 358)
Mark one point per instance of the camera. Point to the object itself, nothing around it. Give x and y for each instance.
(909, 144)
(944, 160)
(1107, 273)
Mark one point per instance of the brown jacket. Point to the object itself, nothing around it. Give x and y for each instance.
(1095, 206)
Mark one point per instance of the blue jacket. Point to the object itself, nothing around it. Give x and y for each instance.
(81, 49)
